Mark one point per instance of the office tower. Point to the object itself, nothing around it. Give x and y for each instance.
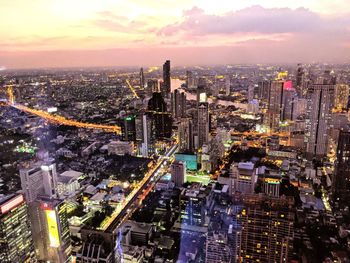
(271, 184)
(267, 229)
(185, 135)
(39, 178)
(250, 93)
(227, 86)
(201, 94)
(341, 96)
(217, 248)
(50, 229)
(178, 104)
(300, 76)
(152, 86)
(190, 83)
(275, 105)
(262, 92)
(289, 97)
(142, 79)
(178, 173)
(244, 177)
(166, 88)
(144, 134)
(192, 206)
(161, 119)
(16, 244)
(203, 123)
(320, 103)
(128, 127)
(341, 180)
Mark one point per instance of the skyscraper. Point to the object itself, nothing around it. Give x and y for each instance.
(142, 79)
(320, 103)
(16, 244)
(267, 229)
(166, 88)
(128, 127)
(152, 86)
(189, 79)
(178, 173)
(203, 124)
(185, 135)
(341, 96)
(217, 247)
(50, 229)
(39, 178)
(161, 119)
(275, 105)
(144, 133)
(341, 180)
(178, 104)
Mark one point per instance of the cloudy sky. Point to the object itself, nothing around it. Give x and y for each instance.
(62, 33)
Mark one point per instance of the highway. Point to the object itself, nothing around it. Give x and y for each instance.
(112, 222)
(132, 89)
(56, 119)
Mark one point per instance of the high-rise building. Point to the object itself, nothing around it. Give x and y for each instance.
(178, 104)
(262, 92)
(152, 86)
(320, 103)
(185, 135)
(227, 86)
(217, 248)
(161, 119)
(341, 180)
(166, 88)
(275, 105)
(128, 127)
(39, 178)
(144, 134)
(267, 229)
(16, 243)
(244, 177)
(142, 79)
(341, 96)
(189, 79)
(50, 229)
(203, 123)
(178, 173)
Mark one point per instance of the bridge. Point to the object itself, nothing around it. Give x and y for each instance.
(56, 119)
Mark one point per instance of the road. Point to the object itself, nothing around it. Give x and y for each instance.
(111, 223)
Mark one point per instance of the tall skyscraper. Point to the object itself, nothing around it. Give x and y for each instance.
(178, 104)
(142, 79)
(185, 135)
(267, 229)
(161, 119)
(152, 86)
(128, 127)
(50, 229)
(341, 96)
(166, 88)
(39, 178)
(341, 180)
(275, 105)
(189, 79)
(16, 244)
(320, 103)
(178, 173)
(144, 134)
(203, 123)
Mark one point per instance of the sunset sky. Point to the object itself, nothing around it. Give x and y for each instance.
(63, 33)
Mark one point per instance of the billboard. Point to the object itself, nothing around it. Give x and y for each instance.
(190, 159)
(52, 228)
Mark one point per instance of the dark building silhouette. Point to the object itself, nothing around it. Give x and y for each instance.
(161, 119)
(128, 126)
(341, 180)
(166, 88)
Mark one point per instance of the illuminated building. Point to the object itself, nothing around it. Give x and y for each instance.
(178, 173)
(341, 180)
(203, 123)
(189, 79)
(267, 229)
(320, 102)
(244, 177)
(217, 248)
(262, 92)
(128, 128)
(178, 104)
(185, 135)
(166, 88)
(142, 79)
(50, 229)
(40, 178)
(189, 159)
(192, 205)
(271, 185)
(227, 86)
(144, 134)
(16, 244)
(161, 119)
(341, 96)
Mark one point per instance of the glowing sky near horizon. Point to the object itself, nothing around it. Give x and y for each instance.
(43, 33)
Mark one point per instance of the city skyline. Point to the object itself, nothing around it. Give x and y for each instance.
(130, 33)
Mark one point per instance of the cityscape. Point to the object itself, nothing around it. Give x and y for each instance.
(190, 156)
